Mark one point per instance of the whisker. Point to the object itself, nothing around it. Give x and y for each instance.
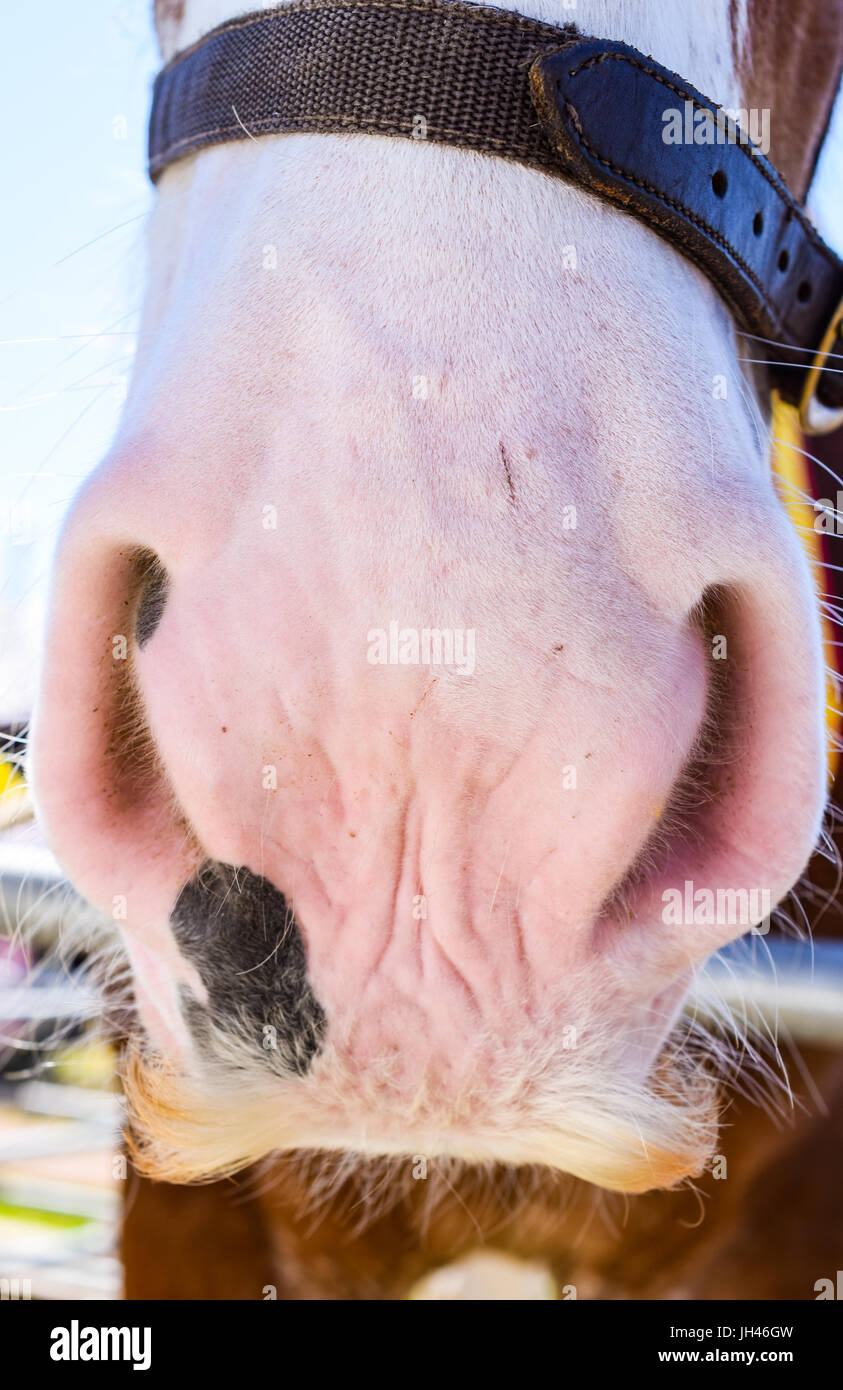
(769, 362)
(776, 342)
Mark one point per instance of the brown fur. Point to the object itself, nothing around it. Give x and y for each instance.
(168, 17)
(791, 65)
(769, 1229)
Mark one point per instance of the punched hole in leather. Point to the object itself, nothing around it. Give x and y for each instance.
(638, 136)
(607, 119)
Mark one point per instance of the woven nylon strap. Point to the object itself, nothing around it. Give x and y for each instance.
(495, 81)
(359, 65)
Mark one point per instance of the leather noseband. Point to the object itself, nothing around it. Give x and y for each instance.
(592, 111)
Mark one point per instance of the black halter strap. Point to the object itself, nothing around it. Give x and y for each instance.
(591, 111)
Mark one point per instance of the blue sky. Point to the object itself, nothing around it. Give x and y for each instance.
(74, 94)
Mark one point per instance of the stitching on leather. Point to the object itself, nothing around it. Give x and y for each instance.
(692, 216)
(748, 151)
(504, 20)
(470, 21)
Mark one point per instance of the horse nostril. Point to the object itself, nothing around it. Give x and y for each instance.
(153, 590)
(680, 821)
(103, 792)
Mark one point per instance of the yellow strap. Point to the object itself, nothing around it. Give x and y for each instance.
(791, 469)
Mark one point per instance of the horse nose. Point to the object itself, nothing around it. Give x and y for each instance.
(99, 785)
(179, 673)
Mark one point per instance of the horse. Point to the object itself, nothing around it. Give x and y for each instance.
(432, 616)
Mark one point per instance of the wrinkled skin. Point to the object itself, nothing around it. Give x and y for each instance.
(368, 392)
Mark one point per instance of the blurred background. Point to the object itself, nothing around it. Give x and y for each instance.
(75, 94)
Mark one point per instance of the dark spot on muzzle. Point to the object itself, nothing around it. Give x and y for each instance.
(239, 932)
